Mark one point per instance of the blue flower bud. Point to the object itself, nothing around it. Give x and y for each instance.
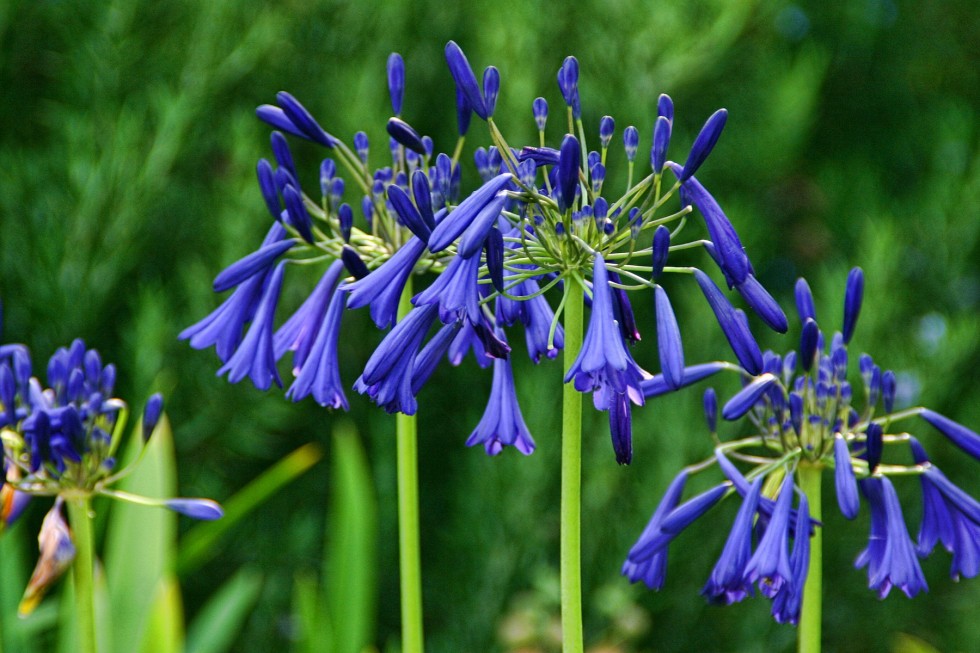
(711, 409)
(396, 81)
(151, 414)
(345, 217)
(669, 342)
(494, 247)
(353, 263)
(958, 434)
(657, 385)
(874, 386)
(621, 428)
(704, 143)
(402, 132)
(763, 304)
(472, 239)
(367, 208)
(527, 172)
(838, 358)
(661, 139)
(606, 128)
(874, 444)
(853, 296)
(276, 117)
(635, 221)
(685, 514)
(248, 266)
(482, 160)
(267, 185)
(736, 330)
(540, 109)
(804, 301)
(407, 212)
(844, 481)
(568, 83)
(463, 112)
(568, 170)
(203, 509)
(423, 198)
(491, 87)
(361, 146)
(494, 160)
(661, 249)
(747, 397)
(888, 390)
(665, 107)
(280, 150)
(465, 80)
(808, 344)
(542, 156)
(8, 392)
(454, 224)
(600, 209)
(598, 175)
(631, 141)
(303, 121)
(296, 210)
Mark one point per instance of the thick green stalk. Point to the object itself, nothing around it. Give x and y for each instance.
(83, 567)
(571, 477)
(409, 557)
(810, 612)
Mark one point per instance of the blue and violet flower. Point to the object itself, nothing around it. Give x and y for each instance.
(60, 440)
(803, 411)
(539, 217)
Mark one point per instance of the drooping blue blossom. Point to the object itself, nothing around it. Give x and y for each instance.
(727, 583)
(890, 556)
(502, 423)
(652, 568)
(769, 565)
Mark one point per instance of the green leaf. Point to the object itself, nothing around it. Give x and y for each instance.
(220, 621)
(200, 542)
(315, 632)
(350, 554)
(165, 625)
(140, 541)
(13, 570)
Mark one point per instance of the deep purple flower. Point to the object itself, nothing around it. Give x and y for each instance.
(502, 423)
(465, 80)
(387, 377)
(889, 556)
(704, 143)
(255, 356)
(669, 341)
(727, 583)
(770, 563)
(604, 365)
(651, 565)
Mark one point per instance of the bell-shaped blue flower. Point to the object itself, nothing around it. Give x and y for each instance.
(646, 563)
(319, 373)
(889, 556)
(604, 365)
(770, 563)
(502, 423)
(727, 583)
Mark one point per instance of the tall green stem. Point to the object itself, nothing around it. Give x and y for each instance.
(571, 477)
(83, 573)
(409, 557)
(809, 628)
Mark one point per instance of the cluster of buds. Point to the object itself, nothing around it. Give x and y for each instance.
(61, 441)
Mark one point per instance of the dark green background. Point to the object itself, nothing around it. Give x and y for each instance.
(127, 155)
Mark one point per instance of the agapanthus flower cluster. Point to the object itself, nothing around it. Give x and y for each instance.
(60, 440)
(541, 218)
(804, 414)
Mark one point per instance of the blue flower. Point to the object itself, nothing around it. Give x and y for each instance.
(383, 287)
(299, 332)
(502, 424)
(319, 373)
(649, 564)
(727, 583)
(889, 556)
(769, 565)
(788, 601)
(604, 365)
(255, 356)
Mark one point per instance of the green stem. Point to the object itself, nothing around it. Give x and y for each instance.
(571, 476)
(410, 565)
(83, 573)
(809, 628)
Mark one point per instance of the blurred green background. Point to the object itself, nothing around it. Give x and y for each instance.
(128, 147)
